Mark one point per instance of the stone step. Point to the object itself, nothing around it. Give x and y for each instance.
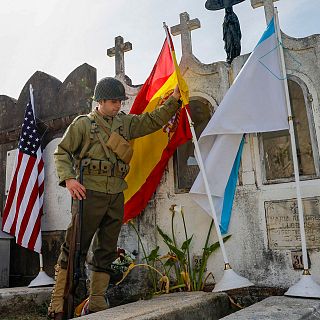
(279, 308)
(21, 297)
(174, 306)
(177, 306)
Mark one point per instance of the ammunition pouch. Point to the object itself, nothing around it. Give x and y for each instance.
(103, 168)
(120, 146)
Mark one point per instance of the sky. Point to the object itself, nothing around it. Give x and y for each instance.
(57, 36)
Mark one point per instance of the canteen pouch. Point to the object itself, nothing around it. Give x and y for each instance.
(120, 146)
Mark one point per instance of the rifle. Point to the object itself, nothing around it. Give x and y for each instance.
(74, 267)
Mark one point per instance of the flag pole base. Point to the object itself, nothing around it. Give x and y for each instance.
(41, 280)
(231, 280)
(305, 287)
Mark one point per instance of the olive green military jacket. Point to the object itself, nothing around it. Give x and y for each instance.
(127, 125)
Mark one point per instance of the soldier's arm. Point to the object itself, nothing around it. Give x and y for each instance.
(69, 144)
(143, 124)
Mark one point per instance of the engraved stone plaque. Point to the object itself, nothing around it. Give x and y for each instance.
(283, 223)
(297, 260)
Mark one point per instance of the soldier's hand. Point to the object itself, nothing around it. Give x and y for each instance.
(76, 189)
(176, 93)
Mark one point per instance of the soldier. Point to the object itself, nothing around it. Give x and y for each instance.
(100, 138)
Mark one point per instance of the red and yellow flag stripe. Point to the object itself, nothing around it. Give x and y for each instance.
(152, 152)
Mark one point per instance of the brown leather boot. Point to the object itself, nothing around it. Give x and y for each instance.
(58, 316)
(99, 283)
(55, 309)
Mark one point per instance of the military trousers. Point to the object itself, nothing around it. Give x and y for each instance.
(101, 224)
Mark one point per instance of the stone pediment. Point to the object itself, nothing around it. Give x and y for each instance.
(292, 43)
(77, 90)
(8, 108)
(56, 102)
(46, 88)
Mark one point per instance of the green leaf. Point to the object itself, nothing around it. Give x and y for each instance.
(164, 236)
(180, 254)
(215, 245)
(186, 244)
(170, 263)
(153, 255)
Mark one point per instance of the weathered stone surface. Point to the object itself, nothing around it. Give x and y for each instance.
(246, 297)
(268, 7)
(184, 28)
(45, 91)
(247, 249)
(3, 156)
(258, 3)
(283, 223)
(135, 287)
(57, 200)
(118, 52)
(5, 259)
(56, 105)
(24, 264)
(8, 111)
(51, 242)
(280, 308)
(175, 306)
(22, 298)
(76, 92)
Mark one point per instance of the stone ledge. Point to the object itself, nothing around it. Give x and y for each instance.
(175, 306)
(280, 308)
(21, 297)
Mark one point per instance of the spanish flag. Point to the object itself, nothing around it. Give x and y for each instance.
(152, 152)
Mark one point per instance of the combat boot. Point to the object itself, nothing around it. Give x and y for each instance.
(55, 309)
(99, 283)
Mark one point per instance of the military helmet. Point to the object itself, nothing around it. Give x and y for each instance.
(109, 89)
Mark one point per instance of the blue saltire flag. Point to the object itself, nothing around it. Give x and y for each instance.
(254, 103)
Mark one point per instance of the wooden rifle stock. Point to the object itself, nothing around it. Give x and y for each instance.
(74, 268)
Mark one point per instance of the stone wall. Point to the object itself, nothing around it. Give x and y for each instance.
(249, 248)
(56, 105)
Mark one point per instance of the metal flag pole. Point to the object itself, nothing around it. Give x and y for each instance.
(230, 279)
(306, 286)
(42, 278)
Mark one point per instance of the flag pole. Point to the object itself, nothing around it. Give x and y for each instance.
(230, 279)
(42, 278)
(306, 286)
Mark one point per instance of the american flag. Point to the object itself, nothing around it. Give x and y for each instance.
(24, 205)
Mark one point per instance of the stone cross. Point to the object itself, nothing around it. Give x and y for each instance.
(268, 7)
(184, 28)
(118, 51)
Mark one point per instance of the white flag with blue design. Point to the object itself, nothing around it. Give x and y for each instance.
(254, 103)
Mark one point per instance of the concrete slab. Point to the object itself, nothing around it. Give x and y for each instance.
(22, 297)
(280, 308)
(175, 306)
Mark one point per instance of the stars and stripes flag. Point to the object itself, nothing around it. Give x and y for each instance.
(24, 204)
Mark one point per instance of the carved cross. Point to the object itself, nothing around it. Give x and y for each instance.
(118, 51)
(268, 7)
(184, 28)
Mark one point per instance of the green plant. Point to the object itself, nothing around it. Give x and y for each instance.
(187, 277)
